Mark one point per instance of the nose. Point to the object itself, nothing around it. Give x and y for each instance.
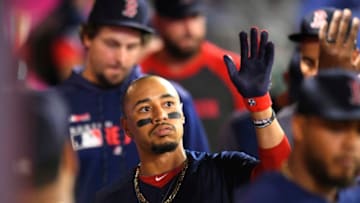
(121, 55)
(159, 115)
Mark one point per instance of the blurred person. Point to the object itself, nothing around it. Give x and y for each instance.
(311, 48)
(308, 6)
(340, 24)
(48, 166)
(189, 59)
(53, 48)
(326, 152)
(114, 36)
(167, 172)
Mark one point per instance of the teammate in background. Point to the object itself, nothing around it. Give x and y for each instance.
(309, 45)
(325, 125)
(114, 37)
(197, 64)
(308, 37)
(326, 153)
(169, 173)
(48, 166)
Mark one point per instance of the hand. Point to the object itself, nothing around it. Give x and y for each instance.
(338, 43)
(253, 78)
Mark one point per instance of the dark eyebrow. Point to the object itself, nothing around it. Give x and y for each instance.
(141, 101)
(147, 99)
(166, 96)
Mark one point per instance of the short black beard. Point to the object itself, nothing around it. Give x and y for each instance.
(163, 148)
(178, 53)
(319, 172)
(105, 84)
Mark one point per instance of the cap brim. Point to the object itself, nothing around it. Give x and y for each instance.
(329, 112)
(341, 115)
(182, 12)
(130, 24)
(299, 37)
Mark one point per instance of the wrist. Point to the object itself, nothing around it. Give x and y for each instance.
(262, 123)
(256, 104)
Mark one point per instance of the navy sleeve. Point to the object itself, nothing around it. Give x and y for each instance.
(195, 137)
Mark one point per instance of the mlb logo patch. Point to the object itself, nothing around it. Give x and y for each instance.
(91, 138)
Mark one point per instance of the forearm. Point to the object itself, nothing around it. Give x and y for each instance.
(271, 135)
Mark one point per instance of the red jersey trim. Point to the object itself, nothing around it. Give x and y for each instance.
(162, 179)
(273, 158)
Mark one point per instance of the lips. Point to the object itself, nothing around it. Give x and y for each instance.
(162, 130)
(115, 68)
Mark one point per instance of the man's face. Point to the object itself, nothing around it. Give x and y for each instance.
(182, 37)
(153, 116)
(309, 49)
(112, 53)
(331, 150)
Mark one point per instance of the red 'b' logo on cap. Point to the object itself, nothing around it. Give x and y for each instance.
(130, 9)
(355, 93)
(320, 17)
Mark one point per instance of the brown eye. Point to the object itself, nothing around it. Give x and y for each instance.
(144, 109)
(169, 104)
(111, 43)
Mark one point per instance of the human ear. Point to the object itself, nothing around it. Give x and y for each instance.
(124, 125)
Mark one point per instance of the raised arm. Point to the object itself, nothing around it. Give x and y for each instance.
(338, 42)
(253, 82)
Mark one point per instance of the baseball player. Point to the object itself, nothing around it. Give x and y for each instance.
(169, 173)
(114, 37)
(189, 59)
(326, 153)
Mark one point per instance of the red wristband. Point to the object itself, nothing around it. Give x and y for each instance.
(256, 104)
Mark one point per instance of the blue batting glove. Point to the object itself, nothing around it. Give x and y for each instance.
(254, 77)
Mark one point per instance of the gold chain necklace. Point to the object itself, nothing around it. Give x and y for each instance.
(171, 197)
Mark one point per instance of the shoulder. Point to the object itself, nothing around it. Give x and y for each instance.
(149, 62)
(351, 194)
(116, 192)
(69, 84)
(215, 52)
(269, 185)
(274, 187)
(223, 157)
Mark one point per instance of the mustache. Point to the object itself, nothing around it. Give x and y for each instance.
(172, 115)
(162, 124)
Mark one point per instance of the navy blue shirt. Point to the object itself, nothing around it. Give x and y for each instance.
(274, 187)
(105, 152)
(209, 178)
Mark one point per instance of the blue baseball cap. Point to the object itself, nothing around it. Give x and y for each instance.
(127, 13)
(179, 8)
(310, 24)
(333, 94)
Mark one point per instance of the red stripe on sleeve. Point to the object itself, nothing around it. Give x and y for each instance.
(273, 158)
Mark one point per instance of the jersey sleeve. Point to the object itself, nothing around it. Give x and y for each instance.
(273, 158)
